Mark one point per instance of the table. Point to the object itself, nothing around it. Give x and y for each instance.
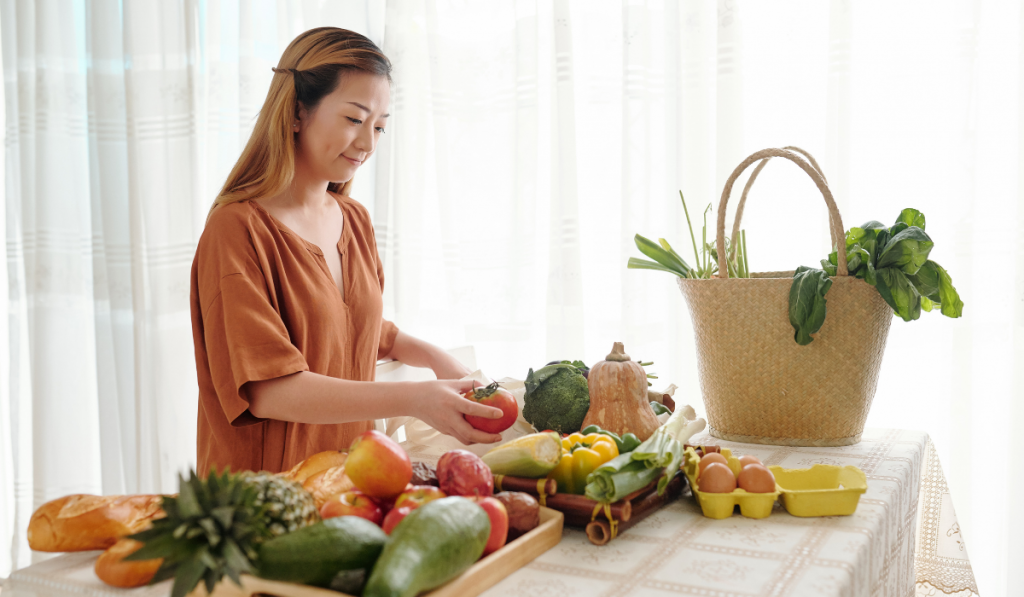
(676, 551)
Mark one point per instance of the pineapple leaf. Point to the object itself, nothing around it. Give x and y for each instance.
(213, 487)
(224, 515)
(211, 581)
(236, 561)
(212, 531)
(166, 571)
(188, 503)
(187, 576)
(163, 546)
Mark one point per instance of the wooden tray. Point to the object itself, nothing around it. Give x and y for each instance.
(478, 578)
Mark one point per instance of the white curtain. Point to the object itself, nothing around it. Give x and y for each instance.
(123, 120)
(530, 140)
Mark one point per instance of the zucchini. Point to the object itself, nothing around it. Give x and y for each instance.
(313, 555)
(435, 543)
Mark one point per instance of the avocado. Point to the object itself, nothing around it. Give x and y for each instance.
(313, 555)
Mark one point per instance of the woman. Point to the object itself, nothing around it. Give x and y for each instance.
(287, 282)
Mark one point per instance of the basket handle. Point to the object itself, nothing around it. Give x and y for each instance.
(750, 183)
(835, 220)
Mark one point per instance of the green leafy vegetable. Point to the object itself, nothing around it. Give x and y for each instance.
(912, 217)
(902, 296)
(666, 259)
(907, 250)
(807, 302)
(895, 260)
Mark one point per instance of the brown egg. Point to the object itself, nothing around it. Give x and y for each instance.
(755, 478)
(748, 459)
(710, 458)
(717, 478)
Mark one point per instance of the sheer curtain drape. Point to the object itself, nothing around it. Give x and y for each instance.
(532, 139)
(123, 119)
(529, 141)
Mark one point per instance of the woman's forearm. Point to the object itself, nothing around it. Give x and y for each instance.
(419, 353)
(307, 397)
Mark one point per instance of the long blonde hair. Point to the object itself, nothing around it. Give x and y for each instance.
(311, 67)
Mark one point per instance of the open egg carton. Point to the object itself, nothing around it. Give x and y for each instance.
(822, 490)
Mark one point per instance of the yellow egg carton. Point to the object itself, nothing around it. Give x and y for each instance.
(822, 490)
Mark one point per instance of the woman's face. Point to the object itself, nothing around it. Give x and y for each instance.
(342, 131)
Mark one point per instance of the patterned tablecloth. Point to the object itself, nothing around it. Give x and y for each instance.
(676, 551)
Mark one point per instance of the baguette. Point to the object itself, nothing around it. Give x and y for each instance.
(316, 463)
(86, 522)
(113, 570)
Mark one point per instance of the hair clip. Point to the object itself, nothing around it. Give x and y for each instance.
(284, 71)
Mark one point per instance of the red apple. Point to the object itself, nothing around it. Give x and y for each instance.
(417, 495)
(353, 503)
(499, 522)
(498, 397)
(395, 516)
(377, 465)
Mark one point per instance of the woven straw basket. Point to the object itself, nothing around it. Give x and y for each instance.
(759, 385)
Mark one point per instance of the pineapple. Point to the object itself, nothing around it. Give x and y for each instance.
(214, 526)
(289, 506)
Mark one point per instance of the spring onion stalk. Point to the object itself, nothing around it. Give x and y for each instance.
(657, 458)
(693, 239)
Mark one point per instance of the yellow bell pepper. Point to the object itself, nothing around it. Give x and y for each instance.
(581, 454)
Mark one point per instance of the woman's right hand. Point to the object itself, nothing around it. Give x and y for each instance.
(440, 404)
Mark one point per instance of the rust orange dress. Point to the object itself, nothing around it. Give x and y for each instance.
(264, 305)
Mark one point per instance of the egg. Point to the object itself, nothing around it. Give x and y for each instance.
(745, 460)
(717, 478)
(710, 458)
(755, 478)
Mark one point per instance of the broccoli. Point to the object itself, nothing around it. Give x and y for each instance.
(556, 398)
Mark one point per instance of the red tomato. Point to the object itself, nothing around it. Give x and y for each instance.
(498, 397)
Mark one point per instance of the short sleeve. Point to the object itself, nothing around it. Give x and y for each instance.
(246, 340)
(244, 336)
(388, 333)
(388, 330)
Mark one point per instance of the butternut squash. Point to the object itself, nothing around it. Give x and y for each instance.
(618, 396)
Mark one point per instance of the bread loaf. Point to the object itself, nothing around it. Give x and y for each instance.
(328, 484)
(84, 522)
(316, 463)
(113, 570)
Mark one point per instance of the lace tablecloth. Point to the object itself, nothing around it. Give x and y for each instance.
(677, 551)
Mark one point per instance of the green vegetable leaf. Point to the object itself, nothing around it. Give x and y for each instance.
(908, 250)
(807, 302)
(637, 263)
(926, 281)
(661, 256)
(911, 217)
(951, 305)
(926, 304)
(897, 228)
(896, 289)
(668, 249)
(881, 240)
(830, 268)
(659, 408)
